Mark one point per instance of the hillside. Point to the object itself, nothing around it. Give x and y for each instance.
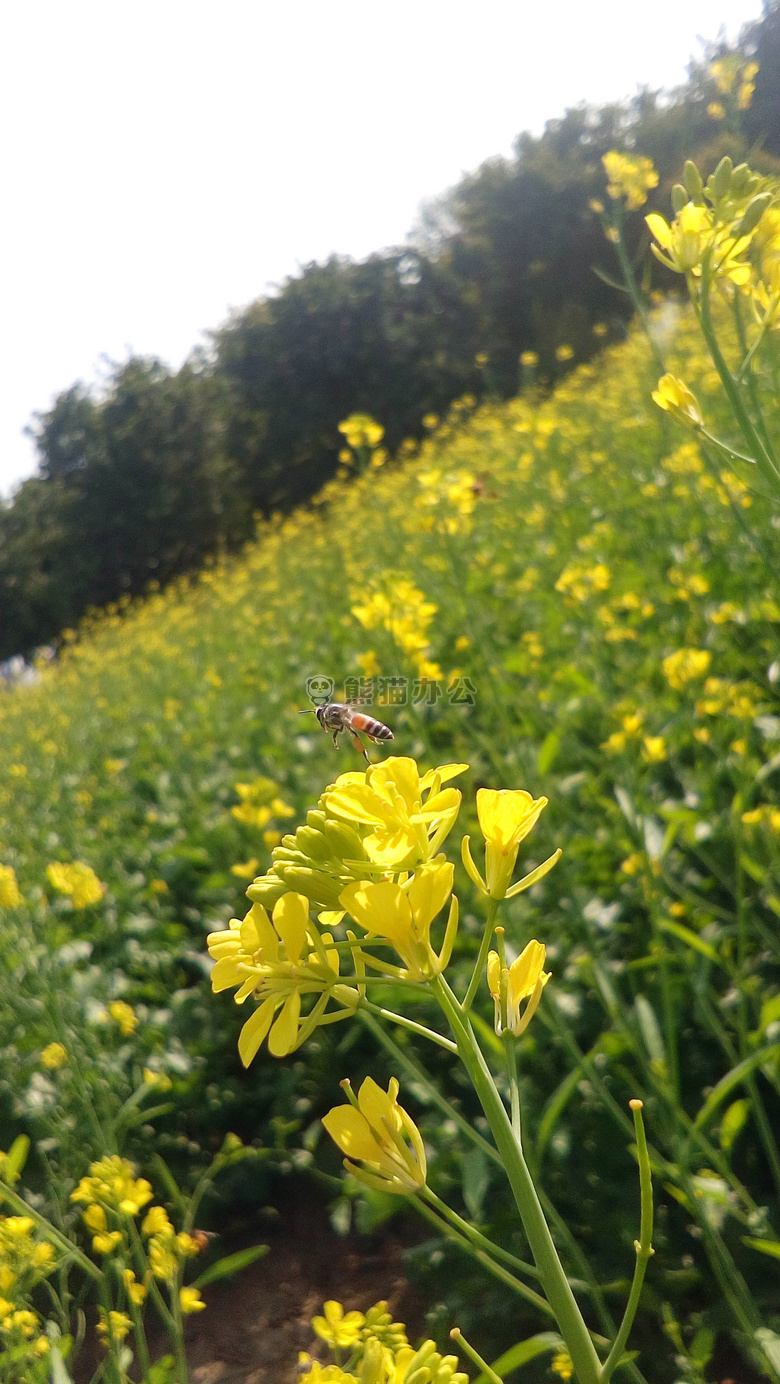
(540, 561)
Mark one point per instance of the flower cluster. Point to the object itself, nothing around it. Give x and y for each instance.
(378, 1351)
(24, 1261)
(397, 605)
(630, 177)
(10, 895)
(78, 881)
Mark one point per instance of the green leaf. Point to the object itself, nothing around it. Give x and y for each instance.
(476, 1180)
(16, 1158)
(524, 1351)
(770, 1344)
(691, 939)
(730, 1080)
(232, 1263)
(548, 752)
(651, 1033)
(770, 1247)
(702, 1346)
(59, 1374)
(732, 1122)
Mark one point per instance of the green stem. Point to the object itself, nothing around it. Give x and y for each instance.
(741, 414)
(479, 964)
(554, 1280)
(481, 1257)
(476, 1359)
(633, 288)
(466, 1228)
(419, 1074)
(643, 1246)
(413, 1027)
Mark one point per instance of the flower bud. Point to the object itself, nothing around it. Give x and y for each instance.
(315, 818)
(267, 890)
(679, 198)
(312, 843)
(344, 841)
(313, 884)
(719, 184)
(692, 179)
(753, 212)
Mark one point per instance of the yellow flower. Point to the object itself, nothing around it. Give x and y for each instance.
(78, 880)
(716, 111)
(111, 1184)
(374, 1134)
(404, 915)
(529, 359)
(562, 1365)
(94, 1217)
(123, 1016)
(654, 749)
(270, 962)
(337, 1328)
(54, 1055)
(246, 869)
(525, 979)
(506, 816)
(135, 1291)
(406, 827)
(674, 396)
(107, 1241)
(685, 241)
(10, 896)
(190, 1300)
(156, 1222)
(113, 1326)
(564, 352)
(684, 665)
(630, 176)
(361, 430)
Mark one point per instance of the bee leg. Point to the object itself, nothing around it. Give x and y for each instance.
(360, 747)
(336, 738)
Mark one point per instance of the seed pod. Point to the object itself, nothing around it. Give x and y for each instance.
(720, 183)
(267, 890)
(313, 884)
(679, 198)
(692, 180)
(344, 841)
(753, 213)
(312, 843)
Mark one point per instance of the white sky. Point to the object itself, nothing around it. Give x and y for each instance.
(166, 160)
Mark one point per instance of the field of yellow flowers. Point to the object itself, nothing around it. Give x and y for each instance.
(558, 592)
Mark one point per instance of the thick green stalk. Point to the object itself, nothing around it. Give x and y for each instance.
(554, 1281)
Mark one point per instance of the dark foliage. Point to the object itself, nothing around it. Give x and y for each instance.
(166, 468)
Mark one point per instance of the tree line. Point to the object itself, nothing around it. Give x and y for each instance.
(144, 480)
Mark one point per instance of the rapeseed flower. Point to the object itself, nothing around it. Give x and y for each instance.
(630, 176)
(685, 665)
(124, 1016)
(54, 1055)
(408, 817)
(272, 961)
(403, 915)
(377, 1132)
(506, 816)
(10, 895)
(675, 397)
(522, 984)
(338, 1328)
(112, 1185)
(78, 880)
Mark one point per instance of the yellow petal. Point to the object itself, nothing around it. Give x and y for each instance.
(226, 973)
(281, 1039)
(291, 920)
(445, 772)
(428, 893)
(381, 908)
(255, 1029)
(381, 1112)
(525, 972)
(660, 229)
(502, 813)
(352, 1132)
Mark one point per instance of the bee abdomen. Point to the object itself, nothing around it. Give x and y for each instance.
(371, 727)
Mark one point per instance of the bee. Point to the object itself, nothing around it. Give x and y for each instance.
(336, 717)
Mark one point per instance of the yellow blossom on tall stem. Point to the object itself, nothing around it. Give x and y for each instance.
(506, 816)
(408, 816)
(377, 1132)
(403, 915)
(524, 981)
